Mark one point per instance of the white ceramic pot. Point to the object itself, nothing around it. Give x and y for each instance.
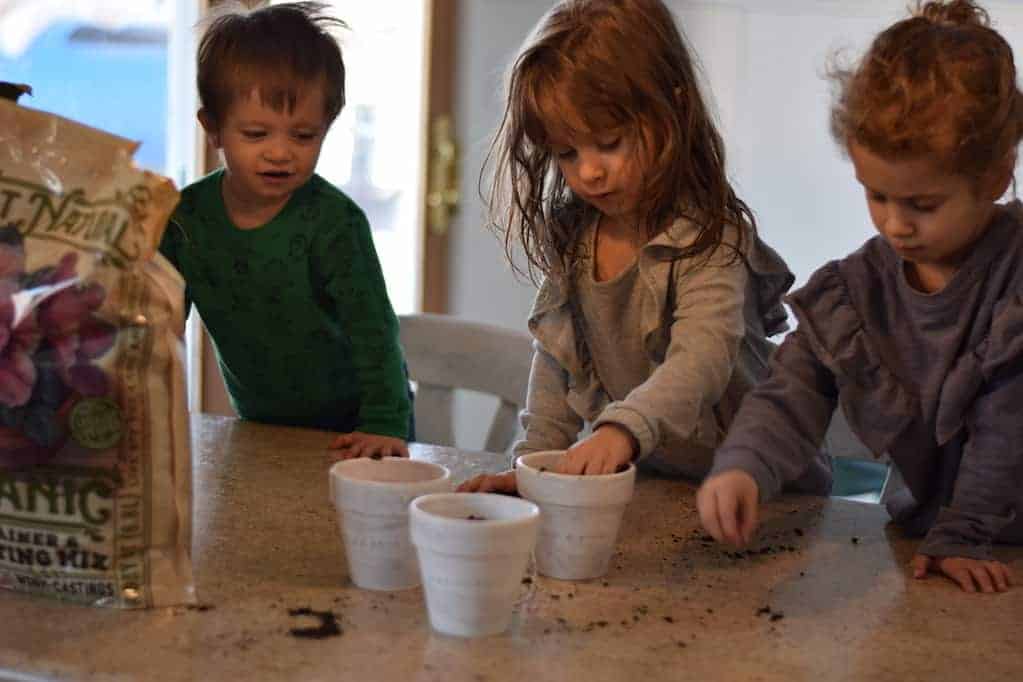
(579, 515)
(473, 549)
(372, 499)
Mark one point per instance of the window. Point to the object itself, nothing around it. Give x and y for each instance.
(124, 66)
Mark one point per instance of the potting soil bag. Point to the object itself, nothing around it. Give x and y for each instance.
(95, 464)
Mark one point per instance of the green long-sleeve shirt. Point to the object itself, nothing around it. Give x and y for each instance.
(297, 309)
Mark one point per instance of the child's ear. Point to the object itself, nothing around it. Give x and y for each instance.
(209, 126)
(1000, 177)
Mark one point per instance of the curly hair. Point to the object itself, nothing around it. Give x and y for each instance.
(275, 50)
(590, 66)
(940, 84)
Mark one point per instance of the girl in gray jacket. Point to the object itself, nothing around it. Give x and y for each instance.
(657, 296)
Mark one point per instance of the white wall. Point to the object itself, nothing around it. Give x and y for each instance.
(764, 61)
(482, 286)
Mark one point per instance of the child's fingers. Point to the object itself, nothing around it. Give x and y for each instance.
(727, 512)
(988, 578)
(340, 452)
(342, 441)
(401, 450)
(571, 465)
(999, 575)
(470, 486)
(921, 564)
(748, 510)
(503, 484)
(487, 483)
(355, 449)
(706, 504)
(983, 579)
(962, 577)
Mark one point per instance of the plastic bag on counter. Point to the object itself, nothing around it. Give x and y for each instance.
(95, 459)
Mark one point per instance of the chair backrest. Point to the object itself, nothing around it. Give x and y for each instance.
(444, 353)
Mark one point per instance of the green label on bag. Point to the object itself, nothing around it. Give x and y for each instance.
(96, 423)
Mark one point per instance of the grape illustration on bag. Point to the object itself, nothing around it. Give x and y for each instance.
(95, 458)
(49, 340)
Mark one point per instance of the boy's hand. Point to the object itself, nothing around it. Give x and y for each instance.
(605, 451)
(359, 444)
(503, 483)
(728, 507)
(971, 575)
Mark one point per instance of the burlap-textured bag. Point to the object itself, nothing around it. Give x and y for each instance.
(95, 466)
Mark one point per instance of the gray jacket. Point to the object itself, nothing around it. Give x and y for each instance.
(704, 326)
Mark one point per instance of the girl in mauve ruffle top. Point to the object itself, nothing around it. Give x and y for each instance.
(918, 335)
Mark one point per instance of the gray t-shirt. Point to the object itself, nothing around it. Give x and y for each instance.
(611, 325)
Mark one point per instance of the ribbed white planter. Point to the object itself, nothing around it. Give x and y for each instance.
(580, 515)
(372, 499)
(473, 549)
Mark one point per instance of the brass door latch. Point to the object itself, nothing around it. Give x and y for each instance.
(443, 192)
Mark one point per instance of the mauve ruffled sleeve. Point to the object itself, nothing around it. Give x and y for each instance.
(777, 433)
(989, 486)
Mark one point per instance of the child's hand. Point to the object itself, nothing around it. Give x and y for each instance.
(969, 574)
(607, 450)
(728, 507)
(503, 483)
(359, 444)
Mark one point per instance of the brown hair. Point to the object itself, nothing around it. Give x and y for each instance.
(940, 84)
(275, 50)
(589, 66)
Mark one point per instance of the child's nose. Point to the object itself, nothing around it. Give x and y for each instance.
(591, 169)
(277, 151)
(899, 225)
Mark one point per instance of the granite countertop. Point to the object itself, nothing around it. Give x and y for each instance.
(824, 594)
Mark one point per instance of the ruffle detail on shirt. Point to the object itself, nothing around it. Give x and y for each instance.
(869, 392)
(552, 327)
(1002, 347)
(772, 278)
(551, 322)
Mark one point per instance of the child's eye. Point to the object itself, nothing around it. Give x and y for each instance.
(564, 154)
(875, 197)
(305, 137)
(924, 206)
(252, 134)
(609, 145)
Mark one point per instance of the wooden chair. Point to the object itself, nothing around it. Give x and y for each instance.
(445, 353)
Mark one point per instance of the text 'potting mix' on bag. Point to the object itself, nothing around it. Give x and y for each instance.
(95, 463)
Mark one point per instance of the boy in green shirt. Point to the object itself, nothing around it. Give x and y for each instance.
(279, 263)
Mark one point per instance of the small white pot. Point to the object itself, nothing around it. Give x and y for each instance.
(372, 498)
(473, 549)
(580, 515)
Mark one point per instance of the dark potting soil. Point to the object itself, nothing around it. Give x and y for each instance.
(328, 626)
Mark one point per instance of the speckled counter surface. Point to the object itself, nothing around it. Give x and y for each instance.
(826, 596)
